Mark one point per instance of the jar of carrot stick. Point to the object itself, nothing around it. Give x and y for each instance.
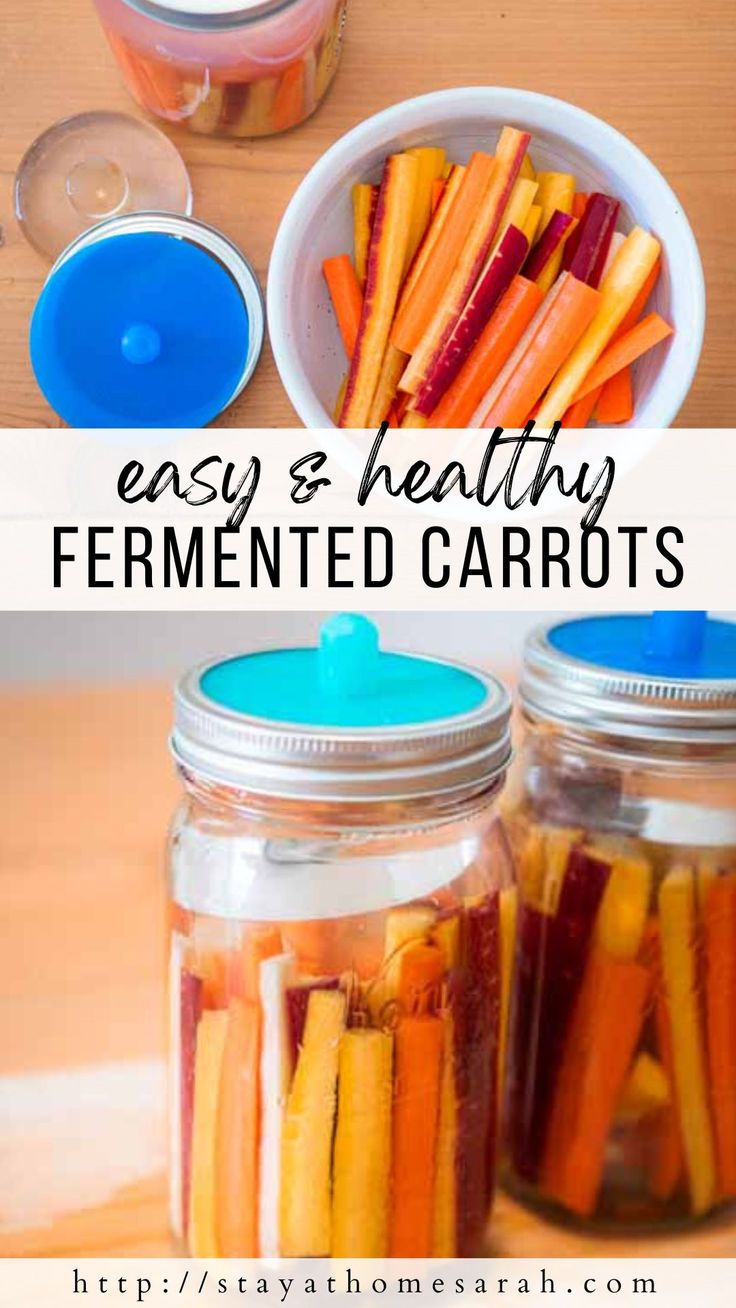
(227, 67)
(621, 1103)
(341, 923)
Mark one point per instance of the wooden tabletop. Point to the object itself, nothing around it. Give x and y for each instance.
(88, 790)
(662, 72)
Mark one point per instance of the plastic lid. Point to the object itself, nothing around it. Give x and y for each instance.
(137, 327)
(668, 676)
(343, 720)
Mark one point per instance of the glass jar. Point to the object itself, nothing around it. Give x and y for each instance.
(341, 925)
(227, 67)
(621, 1104)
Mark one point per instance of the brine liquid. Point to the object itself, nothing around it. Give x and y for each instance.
(621, 1105)
(335, 1082)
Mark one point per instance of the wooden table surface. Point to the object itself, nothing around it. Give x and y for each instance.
(662, 72)
(87, 790)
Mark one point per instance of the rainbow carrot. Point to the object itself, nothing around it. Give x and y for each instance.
(667, 1163)
(288, 106)
(394, 363)
(496, 342)
(419, 1042)
(309, 1119)
(385, 271)
(619, 289)
(719, 929)
(421, 970)
(647, 333)
(297, 1005)
(677, 916)
(236, 1144)
(431, 161)
(405, 927)
(365, 198)
(615, 399)
(554, 336)
(556, 195)
(508, 905)
(438, 190)
(346, 296)
(476, 1012)
(362, 1172)
(586, 252)
(604, 1033)
(446, 935)
(276, 975)
(190, 1002)
(580, 413)
(579, 202)
(260, 940)
(471, 263)
(551, 953)
(434, 232)
(202, 1229)
(453, 229)
(541, 260)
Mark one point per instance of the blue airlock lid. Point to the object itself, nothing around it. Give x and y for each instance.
(342, 720)
(678, 644)
(146, 321)
(664, 677)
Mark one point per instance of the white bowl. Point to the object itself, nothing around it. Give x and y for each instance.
(318, 223)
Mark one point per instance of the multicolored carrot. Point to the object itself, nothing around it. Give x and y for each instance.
(419, 1047)
(237, 1135)
(495, 344)
(719, 937)
(647, 333)
(202, 1226)
(276, 975)
(615, 401)
(385, 271)
(362, 1166)
(541, 260)
(309, 1119)
(346, 296)
(190, 1000)
(365, 198)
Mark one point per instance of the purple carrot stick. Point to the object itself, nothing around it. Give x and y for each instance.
(586, 251)
(548, 243)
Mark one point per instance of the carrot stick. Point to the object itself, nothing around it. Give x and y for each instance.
(202, 1229)
(419, 1043)
(406, 927)
(364, 198)
(677, 916)
(416, 313)
(618, 290)
(346, 296)
(309, 1118)
(640, 301)
(412, 419)
(394, 363)
(261, 940)
(276, 976)
(508, 903)
(288, 107)
(362, 1176)
(556, 194)
(616, 399)
(601, 1044)
(438, 190)
(667, 1163)
(385, 271)
(453, 183)
(495, 343)
(470, 266)
(190, 1011)
(531, 224)
(579, 202)
(624, 351)
(446, 935)
(719, 925)
(431, 161)
(236, 1150)
(421, 970)
(579, 414)
(556, 334)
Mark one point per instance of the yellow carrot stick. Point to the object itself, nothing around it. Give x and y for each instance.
(527, 169)
(622, 916)
(306, 1151)
(364, 203)
(678, 918)
(516, 212)
(404, 926)
(431, 160)
(619, 288)
(531, 225)
(556, 191)
(211, 1033)
(236, 1149)
(362, 1174)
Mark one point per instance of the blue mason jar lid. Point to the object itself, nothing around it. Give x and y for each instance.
(149, 320)
(669, 675)
(343, 720)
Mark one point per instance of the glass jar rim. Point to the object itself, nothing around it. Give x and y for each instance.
(193, 14)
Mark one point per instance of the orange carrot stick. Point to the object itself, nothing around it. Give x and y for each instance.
(601, 1044)
(616, 399)
(236, 1165)
(420, 974)
(579, 202)
(580, 413)
(418, 1054)
(501, 334)
(288, 108)
(438, 190)
(453, 182)
(416, 314)
(668, 1160)
(719, 922)
(346, 296)
(202, 1225)
(385, 271)
(558, 330)
(625, 350)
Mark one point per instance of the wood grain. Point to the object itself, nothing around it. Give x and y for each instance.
(88, 792)
(662, 72)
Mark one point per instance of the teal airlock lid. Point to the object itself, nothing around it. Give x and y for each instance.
(669, 673)
(150, 320)
(343, 719)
